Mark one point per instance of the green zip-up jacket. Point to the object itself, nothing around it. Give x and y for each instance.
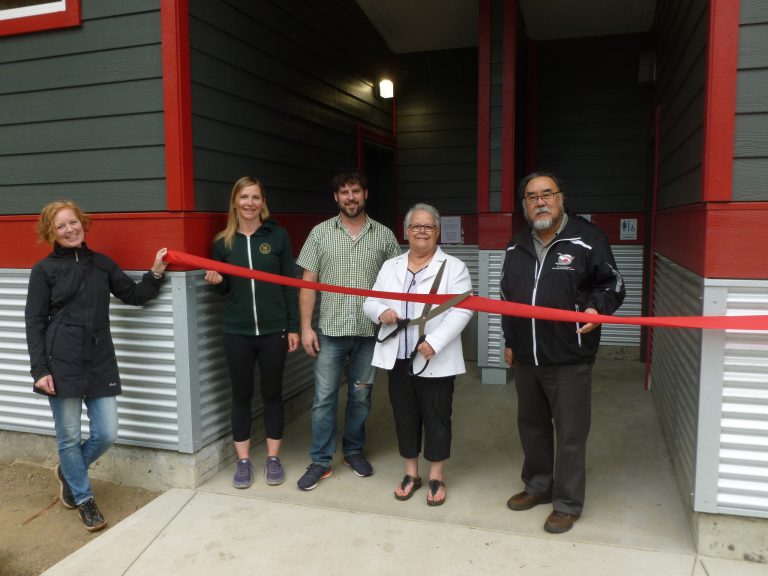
(252, 307)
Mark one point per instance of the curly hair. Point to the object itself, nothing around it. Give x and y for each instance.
(46, 229)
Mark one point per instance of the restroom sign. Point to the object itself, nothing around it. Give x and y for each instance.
(628, 229)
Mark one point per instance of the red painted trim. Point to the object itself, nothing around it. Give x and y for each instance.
(177, 100)
(610, 224)
(495, 230)
(714, 240)
(484, 107)
(185, 231)
(532, 106)
(720, 100)
(67, 18)
(509, 105)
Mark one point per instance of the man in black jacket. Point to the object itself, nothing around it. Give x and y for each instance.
(561, 261)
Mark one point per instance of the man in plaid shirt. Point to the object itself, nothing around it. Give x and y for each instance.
(346, 250)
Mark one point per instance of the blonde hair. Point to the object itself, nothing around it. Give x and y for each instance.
(232, 221)
(46, 229)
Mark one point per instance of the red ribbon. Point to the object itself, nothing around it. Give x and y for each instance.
(480, 304)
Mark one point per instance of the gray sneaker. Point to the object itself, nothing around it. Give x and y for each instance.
(273, 471)
(243, 477)
(311, 478)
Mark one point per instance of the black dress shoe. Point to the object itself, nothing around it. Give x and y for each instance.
(91, 516)
(525, 501)
(559, 522)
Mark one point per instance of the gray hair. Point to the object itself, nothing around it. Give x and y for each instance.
(416, 207)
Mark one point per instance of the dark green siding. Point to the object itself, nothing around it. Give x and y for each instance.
(681, 51)
(593, 120)
(81, 112)
(750, 163)
(278, 89)
(437, 130)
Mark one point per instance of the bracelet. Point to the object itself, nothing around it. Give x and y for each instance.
(157, 276)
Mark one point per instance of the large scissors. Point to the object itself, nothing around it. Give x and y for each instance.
(427, 314)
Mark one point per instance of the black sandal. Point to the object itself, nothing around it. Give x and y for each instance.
(434, 486)
(408, 479)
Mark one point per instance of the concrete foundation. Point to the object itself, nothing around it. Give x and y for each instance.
(147, 468)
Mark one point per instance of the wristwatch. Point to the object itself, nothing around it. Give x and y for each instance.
(157, 276)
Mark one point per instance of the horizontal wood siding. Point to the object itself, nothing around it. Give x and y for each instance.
(750, 163)
(437, 130)
(81, 112)
(593, 121)
(278, 90)
(681, 59)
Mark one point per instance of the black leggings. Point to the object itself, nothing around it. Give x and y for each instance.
(243, 352)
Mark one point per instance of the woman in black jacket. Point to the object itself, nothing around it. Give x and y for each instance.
(71, 353)
(261, 322)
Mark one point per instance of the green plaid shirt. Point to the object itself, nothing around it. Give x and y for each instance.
(337, 259)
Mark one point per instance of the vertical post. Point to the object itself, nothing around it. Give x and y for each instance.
(177, 104)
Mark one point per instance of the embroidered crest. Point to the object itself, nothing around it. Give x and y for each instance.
(564, 259)
(265, 248)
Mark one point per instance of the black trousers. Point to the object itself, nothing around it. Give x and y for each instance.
(553, 417)
(243, 353)
(418, 403)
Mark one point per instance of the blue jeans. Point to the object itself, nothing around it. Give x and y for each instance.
(75, 454)
(334, 353)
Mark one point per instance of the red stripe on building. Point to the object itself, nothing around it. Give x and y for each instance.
(180, 189)
(716, 240)
(720, 100)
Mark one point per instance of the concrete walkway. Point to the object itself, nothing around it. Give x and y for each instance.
(633, 523)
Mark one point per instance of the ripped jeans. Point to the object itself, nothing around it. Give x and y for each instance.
(335, 352)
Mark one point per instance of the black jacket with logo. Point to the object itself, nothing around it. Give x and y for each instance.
(72, 342)
(578, 272)
(254, 308)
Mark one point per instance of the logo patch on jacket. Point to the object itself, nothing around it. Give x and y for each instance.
(265, 248)
(564, 262)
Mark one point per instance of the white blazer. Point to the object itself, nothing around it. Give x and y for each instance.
(443, 332)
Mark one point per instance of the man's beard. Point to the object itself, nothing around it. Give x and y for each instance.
(537, 224)
(353, 210)
(540, 225)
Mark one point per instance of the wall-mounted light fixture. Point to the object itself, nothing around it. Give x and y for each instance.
(386, 88)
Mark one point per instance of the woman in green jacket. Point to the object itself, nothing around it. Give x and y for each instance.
(261, 321)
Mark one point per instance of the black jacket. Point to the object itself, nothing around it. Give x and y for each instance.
(73, 344)
(578, 272)
(253, 308)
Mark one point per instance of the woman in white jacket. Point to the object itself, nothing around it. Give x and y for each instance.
(425, 400)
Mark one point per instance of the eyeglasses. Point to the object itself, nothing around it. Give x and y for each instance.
(429, 228)
(546, 196)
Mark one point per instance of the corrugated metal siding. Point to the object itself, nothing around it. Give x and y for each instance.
(750, 155)
(469, 255)
(742, 479)
(81, 111)
(629, 259)
(676, 359)
(214, 385)
(490, 339)
(144, 347)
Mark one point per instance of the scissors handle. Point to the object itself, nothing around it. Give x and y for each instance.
(401, 324)
(413, 357)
